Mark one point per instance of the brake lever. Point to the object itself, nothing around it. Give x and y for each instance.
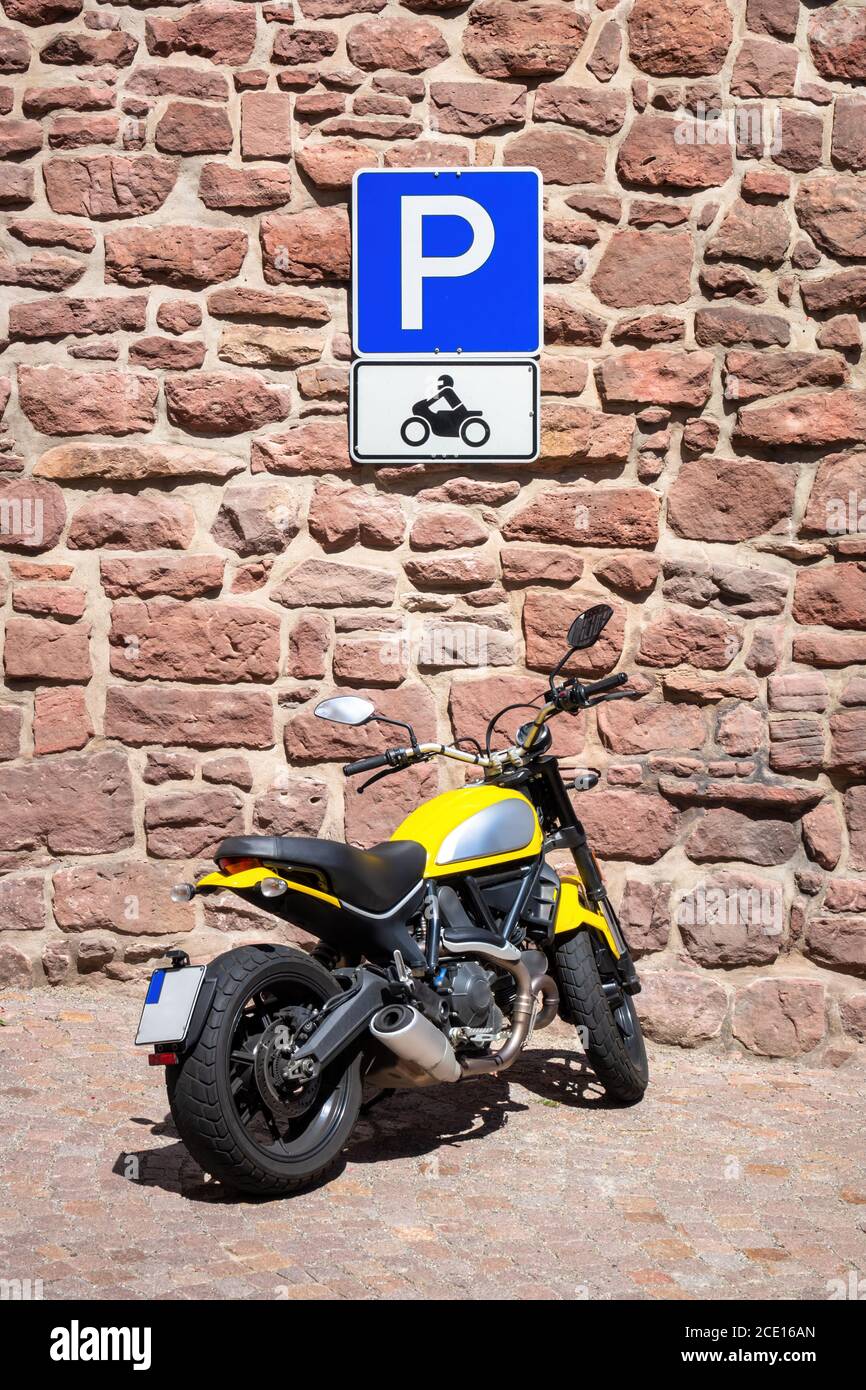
(377, 777)
(615, 695)
(387, 771)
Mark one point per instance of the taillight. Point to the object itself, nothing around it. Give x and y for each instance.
(237, 866)
(162, 1059)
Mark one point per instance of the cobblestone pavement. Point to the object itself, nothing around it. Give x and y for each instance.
(732, 1179)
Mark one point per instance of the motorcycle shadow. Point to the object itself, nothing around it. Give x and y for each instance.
(407, 1124)
(558, 1075)
(174, 1170)
(414, 1123)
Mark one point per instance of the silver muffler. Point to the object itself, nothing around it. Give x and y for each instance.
(413, 1038)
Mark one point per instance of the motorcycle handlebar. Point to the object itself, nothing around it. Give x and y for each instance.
(570, 697)
(607, 683)
(576, 696)
(367, 764)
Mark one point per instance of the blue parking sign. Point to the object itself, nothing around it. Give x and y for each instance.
(446, 261)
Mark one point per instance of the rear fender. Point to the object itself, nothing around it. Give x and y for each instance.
(247, 880)
(200, 1012)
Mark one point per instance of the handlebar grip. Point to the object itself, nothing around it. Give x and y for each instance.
(607, 683)
(367, 764)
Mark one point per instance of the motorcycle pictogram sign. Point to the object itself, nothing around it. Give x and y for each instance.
(408, 410)
(448, 420)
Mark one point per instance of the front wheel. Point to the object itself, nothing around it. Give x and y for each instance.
(234, 1112)
(475, 432)
(614, 1042)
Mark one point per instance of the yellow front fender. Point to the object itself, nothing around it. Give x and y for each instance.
(572, 914)
(248, 879)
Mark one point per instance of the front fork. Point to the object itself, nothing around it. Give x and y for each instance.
(572, 836)
(598, 898)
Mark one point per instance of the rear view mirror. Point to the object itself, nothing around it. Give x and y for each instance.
(345, 709)
(587, 627)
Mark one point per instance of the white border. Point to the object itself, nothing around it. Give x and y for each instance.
(448, 169)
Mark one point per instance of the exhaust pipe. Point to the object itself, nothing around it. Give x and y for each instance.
(541, 983)
(413, 1038)
(530, 982)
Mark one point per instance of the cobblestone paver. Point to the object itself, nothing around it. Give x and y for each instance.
(732, 1179)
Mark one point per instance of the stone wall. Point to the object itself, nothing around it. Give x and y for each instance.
(190, 561)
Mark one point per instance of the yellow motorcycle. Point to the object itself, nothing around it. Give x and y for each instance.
(439, 953)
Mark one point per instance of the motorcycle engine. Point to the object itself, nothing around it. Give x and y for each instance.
(473, 1008)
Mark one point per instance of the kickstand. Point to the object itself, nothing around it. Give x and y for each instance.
(383, 1095)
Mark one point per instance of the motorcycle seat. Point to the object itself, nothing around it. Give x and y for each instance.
(374, 880)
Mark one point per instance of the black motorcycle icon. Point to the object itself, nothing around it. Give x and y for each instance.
(455, 420)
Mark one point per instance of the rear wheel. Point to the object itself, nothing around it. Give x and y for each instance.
(614, 1042)
(415, 431)
(234, 1112)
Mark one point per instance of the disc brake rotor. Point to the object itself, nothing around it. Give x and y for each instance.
(285, 1100)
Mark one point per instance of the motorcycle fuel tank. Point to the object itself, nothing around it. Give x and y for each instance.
(473, 827)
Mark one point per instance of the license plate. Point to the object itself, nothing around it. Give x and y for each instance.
(171, 998)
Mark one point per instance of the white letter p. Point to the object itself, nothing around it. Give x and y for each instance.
(416, 267)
